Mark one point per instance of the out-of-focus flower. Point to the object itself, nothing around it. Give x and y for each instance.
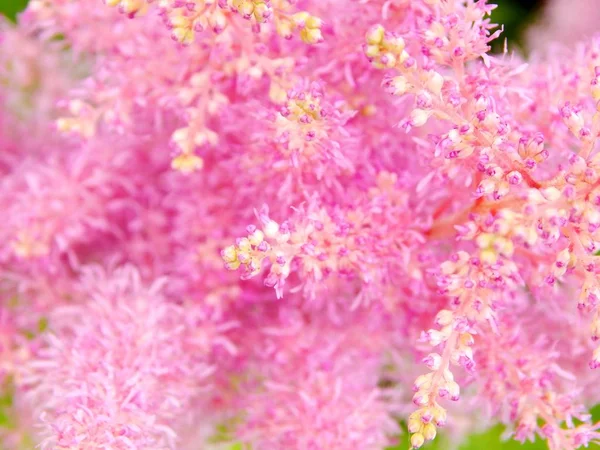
(563, 22)
(119, 369)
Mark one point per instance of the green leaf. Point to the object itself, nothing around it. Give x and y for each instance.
(595, 412)
(492, 439)
(43, 324)
(10, 8)
(239, 446)
(6, 412)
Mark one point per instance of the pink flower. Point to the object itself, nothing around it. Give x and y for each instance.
(119, 369)
(244, 221)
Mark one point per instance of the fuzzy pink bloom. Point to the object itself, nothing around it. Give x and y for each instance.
(124, 383)
(301, 386)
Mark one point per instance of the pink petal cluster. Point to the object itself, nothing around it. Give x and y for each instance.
(278, 224)
(105, 383)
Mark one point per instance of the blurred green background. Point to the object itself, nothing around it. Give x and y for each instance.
(515, 15)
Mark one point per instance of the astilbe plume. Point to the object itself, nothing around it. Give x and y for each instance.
(117, 383)
(242, 222)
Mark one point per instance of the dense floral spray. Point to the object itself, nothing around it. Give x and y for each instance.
(277, 224)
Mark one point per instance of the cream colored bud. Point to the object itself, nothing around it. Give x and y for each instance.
(595, 328)
(453, 389)
(444, 317)
(466, 339)
(187, 163)
(372, 51)
(419, 117)
(244, 244)
(403, 56)
(375, 35)
(256, 238)
(179, 21)
(388, 59)
(436, 337)
(484, 240)
(180, 135)
(246, 9)
(414, 425)
(596, 89)
(417, 440)
(313, 22)
(232, 265)
(400, 85)
(311, 35)
(229, 253)
(551, 194)
(575, 122)
(132, 6)
(217, 21)
(183, 35)
(271, 229)
(423, 381)
(300, 18)
(488, 256)
(592, 215)
(435, 83)
(429, 432)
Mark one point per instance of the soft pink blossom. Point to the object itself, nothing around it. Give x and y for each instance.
(291, 224)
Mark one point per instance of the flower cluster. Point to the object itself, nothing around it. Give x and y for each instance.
(187, 18)
(277, 224)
